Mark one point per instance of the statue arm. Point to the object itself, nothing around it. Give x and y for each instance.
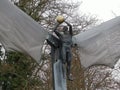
(70, 28)
(56, 32)
(55, 28)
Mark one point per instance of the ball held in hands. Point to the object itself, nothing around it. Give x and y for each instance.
(60, 19)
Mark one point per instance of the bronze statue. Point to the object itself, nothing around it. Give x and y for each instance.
(65, 46)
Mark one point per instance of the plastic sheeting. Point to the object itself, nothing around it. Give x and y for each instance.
(19, 32)
(100, 45)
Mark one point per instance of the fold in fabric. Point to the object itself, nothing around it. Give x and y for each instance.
(19, 32)
(100, 45)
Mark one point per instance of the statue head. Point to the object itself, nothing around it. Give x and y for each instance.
(65, 29)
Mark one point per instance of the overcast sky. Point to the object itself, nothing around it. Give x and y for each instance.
(104, 9)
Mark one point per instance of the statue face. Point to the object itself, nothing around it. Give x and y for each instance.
(65, 28)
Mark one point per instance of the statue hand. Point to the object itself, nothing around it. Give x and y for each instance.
(56, 25)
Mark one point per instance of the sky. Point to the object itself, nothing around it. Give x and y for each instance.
(103, 9)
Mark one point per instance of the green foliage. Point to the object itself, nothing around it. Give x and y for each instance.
(16, 72)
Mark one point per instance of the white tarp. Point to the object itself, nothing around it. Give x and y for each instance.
(100, 45)
(19, 32)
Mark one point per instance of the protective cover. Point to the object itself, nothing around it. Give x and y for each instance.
(100, 45)
(19, 32)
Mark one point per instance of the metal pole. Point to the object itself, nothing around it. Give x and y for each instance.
(59, 83)
(53, 60)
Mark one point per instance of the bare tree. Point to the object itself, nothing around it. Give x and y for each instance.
(45, 12)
